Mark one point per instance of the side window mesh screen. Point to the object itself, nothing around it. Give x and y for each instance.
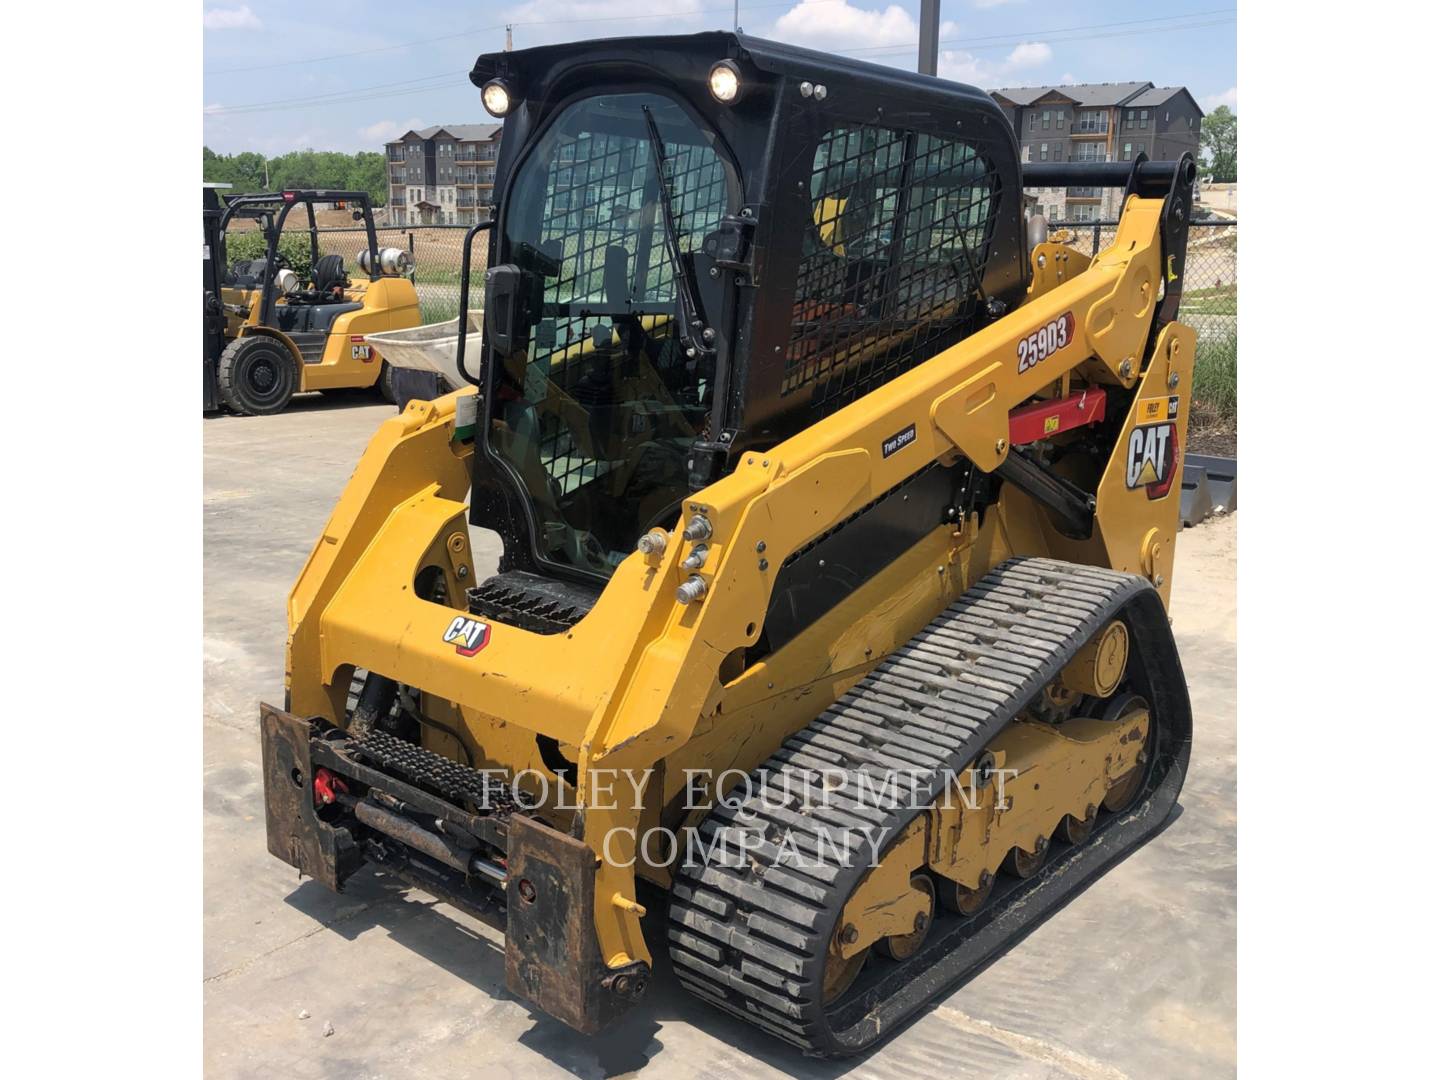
(602, 193)
(901, 228)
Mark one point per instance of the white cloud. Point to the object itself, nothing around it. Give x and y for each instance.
(384, 130)
(1029, 54)
(966, 67)
(1211, 102)
(213, 108)
(992, 3)
(552, 21)
(1068, 79)
(831, 24)
(241, 18)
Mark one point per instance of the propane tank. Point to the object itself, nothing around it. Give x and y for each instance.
(286, 282)
(1037, 231)
(395, 262)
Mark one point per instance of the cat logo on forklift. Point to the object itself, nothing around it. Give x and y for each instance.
(359, 350)
(1150, 459)
(468, 636)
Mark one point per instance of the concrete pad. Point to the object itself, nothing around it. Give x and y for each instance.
(1134, 978)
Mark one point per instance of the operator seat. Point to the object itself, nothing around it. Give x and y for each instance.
(315, 312)
(329, 275)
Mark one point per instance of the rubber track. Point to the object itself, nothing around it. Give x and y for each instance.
(749, 935)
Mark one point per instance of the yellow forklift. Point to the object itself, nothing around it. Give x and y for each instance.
(274, 330)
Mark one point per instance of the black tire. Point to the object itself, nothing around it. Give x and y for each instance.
(386, 383)
(257, 376)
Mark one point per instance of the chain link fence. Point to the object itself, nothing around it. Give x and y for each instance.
(437, 251)
(1209, 304)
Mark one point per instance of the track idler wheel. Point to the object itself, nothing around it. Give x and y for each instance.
(1077, 830)
(842, 971)
(904, 946)
(1124, 790)
(965, 901)
(1026, 864)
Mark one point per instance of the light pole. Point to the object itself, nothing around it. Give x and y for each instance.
(929, 36)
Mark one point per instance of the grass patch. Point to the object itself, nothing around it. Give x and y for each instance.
(1215, 402)
(433, 310)
(438, 275)
(1217, 300)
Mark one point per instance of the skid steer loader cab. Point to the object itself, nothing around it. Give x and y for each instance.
(678, 278)
(290, 329)
(828, 504)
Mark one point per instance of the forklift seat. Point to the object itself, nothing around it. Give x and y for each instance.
(329, 273)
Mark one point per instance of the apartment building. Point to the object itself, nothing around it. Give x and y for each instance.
(442, 175)
(1099, 122)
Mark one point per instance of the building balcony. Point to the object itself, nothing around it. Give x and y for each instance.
(1091, 129)
(1082, 193)
(1094, 158)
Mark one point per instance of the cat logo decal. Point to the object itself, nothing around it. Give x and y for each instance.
(468, 636)
(1150, 459)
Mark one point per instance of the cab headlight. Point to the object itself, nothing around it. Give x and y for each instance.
(725, 82)
(496, 97)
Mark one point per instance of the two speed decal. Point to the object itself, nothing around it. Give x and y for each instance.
(1047, 341)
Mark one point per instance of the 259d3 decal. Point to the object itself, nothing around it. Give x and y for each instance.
(1048, 340)
(1150, 459)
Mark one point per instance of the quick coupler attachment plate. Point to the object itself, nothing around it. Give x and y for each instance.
(552, 956)
(333, 802)
(293, 830)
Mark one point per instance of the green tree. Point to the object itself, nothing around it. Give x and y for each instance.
(246, 172)
(1218, 145)
(364, 171)
(367, 173)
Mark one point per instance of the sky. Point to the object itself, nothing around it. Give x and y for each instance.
(282, 76)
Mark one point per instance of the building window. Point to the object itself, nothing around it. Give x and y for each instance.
(1060, 118)
(1144, 118)
(1027, 153)
(1045, 120)
(1125, 154)
(1044, 151)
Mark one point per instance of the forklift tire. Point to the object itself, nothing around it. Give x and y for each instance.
(257, 376)
(386, 383)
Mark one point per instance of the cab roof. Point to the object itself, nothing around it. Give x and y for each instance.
(541, 64)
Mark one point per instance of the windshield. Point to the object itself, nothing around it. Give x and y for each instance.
(597, 411)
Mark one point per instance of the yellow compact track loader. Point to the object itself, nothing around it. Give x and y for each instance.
(273, 330)
(838, 518)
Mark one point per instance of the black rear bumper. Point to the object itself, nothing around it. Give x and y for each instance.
(507, 869)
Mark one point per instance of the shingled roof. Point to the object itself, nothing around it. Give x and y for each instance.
(1086, 95)
(460, 132)
(1159, 95)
